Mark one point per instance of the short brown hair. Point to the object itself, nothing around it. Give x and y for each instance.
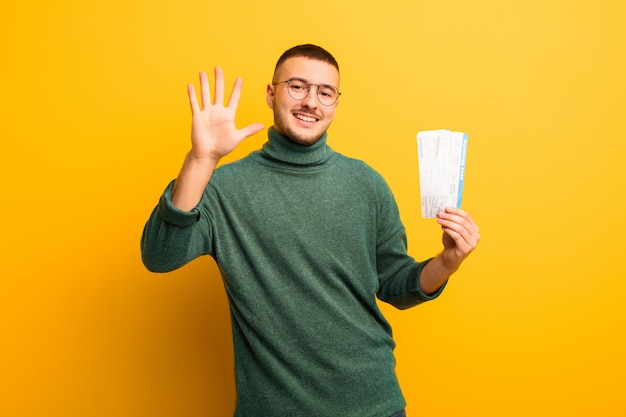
(308, 51)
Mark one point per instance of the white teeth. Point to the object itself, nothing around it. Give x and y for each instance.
(305, 118)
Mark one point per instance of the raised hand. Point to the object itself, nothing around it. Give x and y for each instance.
(213, 136)
(460, 238)
(460, 235)
(213, 131)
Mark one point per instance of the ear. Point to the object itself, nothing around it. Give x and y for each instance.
(269, 99)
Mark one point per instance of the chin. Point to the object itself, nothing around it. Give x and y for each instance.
(306, 140)
(303, 138)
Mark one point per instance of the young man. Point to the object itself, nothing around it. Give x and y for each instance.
(305, 239)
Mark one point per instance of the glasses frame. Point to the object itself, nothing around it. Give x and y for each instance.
(308, 90)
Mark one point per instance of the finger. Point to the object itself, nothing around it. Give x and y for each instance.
(219, 86)
(459, 234)
(459, 226)
(233, 101)
(193, 99)
(205, 90)
(457, 245)
(453, 211)
(456, 237)
(251, 129)
(466, 216)
(459, 216)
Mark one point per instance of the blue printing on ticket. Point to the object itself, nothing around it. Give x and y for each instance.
(462, 171)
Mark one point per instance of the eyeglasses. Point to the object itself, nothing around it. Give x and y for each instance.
(298, 89)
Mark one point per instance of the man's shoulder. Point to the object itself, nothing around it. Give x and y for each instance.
(359, 166)
(354, 163)
(235, 167)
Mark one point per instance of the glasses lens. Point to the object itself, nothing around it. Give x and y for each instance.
(328, 95)
(298, 89)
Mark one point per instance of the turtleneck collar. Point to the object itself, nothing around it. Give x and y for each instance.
(283, 149)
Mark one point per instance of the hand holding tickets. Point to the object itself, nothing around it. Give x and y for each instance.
(441, 158)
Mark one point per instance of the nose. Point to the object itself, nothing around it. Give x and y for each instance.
(310, 101)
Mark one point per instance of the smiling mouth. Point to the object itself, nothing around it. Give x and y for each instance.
(305, 118)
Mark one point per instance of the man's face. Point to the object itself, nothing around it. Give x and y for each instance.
(303, 121)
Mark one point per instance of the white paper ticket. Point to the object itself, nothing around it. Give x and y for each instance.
(441, 159)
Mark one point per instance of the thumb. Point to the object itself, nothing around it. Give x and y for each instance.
(251, 129)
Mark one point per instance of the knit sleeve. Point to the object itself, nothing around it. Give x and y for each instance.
(173, 237)
(398, 272)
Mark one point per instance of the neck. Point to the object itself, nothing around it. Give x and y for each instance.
(282, 148)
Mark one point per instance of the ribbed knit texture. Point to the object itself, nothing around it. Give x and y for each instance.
(305, 239)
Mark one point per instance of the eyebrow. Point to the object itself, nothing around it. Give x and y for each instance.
(307, 81)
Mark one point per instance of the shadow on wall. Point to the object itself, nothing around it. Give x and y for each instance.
(188, 340)
(159, 345)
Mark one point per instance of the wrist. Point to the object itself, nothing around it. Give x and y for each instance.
(445, 265)
(201, 160)
(435, 273)
(192, 180)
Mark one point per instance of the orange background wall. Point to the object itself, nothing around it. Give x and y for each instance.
(94, 122)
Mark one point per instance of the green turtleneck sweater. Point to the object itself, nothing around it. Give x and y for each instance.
(305, 239)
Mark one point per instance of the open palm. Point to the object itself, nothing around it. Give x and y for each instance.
(213, 130)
